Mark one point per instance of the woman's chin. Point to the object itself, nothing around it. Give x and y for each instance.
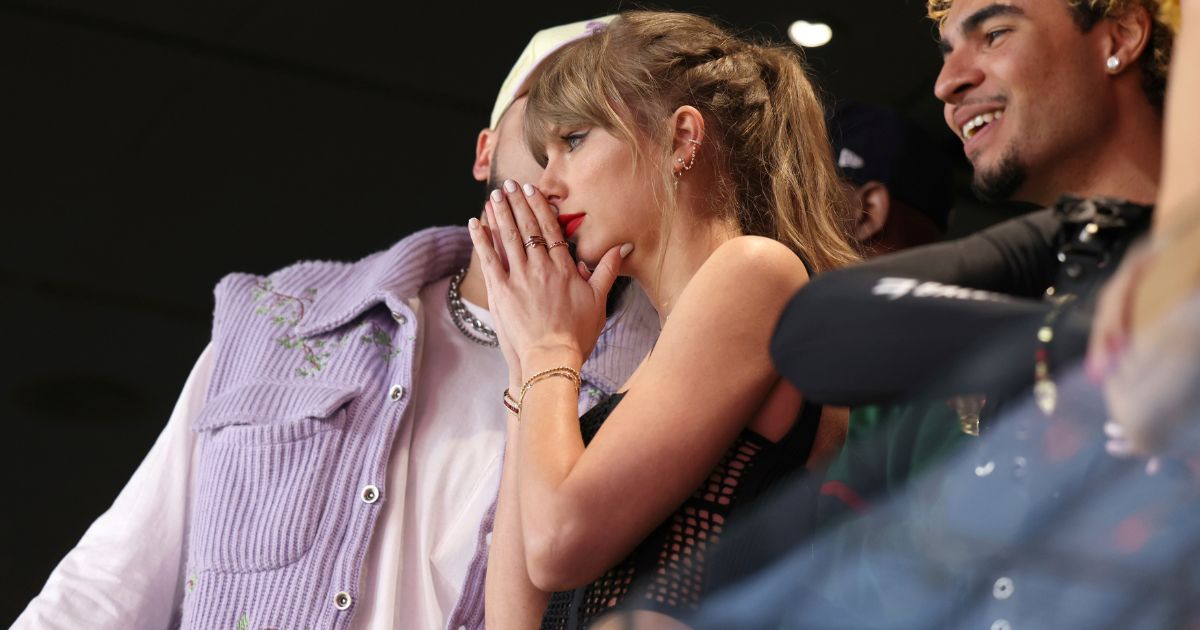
(588, 254)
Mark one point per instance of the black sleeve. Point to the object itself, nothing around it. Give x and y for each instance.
(861, 338)
(1016, 257)
(928, 322)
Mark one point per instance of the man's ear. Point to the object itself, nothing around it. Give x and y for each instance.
(1128, 35)
(485, 148)
(876, 204)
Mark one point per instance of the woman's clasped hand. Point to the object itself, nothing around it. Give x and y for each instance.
(545, 304)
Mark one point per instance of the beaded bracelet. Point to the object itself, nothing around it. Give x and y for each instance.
(1045, 392)
(563, 372)
(511, 403)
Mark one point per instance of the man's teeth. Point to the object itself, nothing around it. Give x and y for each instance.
(979, 121)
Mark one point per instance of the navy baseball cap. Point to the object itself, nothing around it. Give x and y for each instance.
(874, 143)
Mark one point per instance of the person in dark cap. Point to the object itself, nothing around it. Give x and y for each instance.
(900, 178)
(900, 186)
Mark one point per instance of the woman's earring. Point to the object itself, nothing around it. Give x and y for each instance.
(691, 160)
(690, 163)
(1113, 63)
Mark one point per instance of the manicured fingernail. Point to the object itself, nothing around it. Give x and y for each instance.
(625, 249)
(473, 223)
(510, 185)
(528, 188)
(497, 196)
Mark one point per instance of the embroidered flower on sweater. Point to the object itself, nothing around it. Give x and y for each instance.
(289, 310)
(282, 308)
(316, 351)
(380, 338)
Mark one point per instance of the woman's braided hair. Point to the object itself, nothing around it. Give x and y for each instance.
(765, 126)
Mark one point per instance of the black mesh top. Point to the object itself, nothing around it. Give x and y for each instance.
(666, 571)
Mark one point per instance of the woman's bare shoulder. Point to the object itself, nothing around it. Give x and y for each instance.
(747, 278)
(749, 265)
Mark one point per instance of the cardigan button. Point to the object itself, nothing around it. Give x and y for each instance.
(342, 600)
(396, 393)
(399, 317)
(370, 494)
(1003, 588)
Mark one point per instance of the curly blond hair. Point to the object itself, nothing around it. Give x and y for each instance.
(1155, 60)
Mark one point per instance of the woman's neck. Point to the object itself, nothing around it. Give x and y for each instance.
(682, 250)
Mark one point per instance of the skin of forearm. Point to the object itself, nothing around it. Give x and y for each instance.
(550, 444)
(512, 599)
(1174, 273)
(1180, 191)
(1172, 277)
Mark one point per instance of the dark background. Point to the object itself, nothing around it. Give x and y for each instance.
(150, 146)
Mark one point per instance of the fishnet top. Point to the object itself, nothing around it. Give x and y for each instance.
(666, 571)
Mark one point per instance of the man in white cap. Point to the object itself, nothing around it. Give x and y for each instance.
(334, 458)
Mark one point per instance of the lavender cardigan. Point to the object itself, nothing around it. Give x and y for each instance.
(313, 372)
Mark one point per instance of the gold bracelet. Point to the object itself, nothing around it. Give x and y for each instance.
(511, 403)
(563, 372)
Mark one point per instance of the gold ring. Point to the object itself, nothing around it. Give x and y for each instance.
(556, 244)
(534, 241)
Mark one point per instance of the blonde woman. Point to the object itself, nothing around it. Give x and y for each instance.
(696, 163)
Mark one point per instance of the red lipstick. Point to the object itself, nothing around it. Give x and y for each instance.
(570, 222)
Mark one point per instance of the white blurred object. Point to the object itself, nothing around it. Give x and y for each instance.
(810, 34)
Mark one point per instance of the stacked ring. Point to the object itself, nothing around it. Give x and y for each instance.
(535, 241)
(556, 244)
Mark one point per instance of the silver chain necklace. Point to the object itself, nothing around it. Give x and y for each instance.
(463, 318)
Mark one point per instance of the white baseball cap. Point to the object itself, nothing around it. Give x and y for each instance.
(543, 44)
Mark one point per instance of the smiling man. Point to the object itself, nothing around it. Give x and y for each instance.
(1056, 97)
(1053, 100)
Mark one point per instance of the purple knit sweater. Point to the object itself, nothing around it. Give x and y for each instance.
(313, 372)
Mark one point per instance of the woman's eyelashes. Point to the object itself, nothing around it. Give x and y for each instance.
(570, 141)
(574, 139)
